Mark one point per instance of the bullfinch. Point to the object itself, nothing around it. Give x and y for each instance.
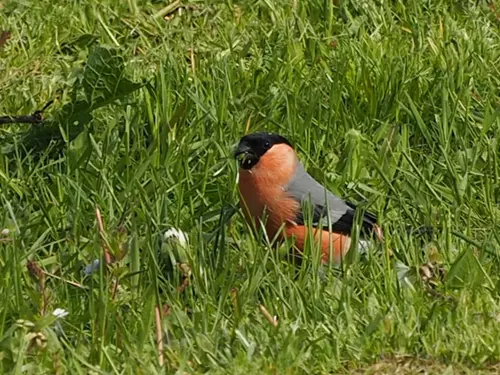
(274, 189)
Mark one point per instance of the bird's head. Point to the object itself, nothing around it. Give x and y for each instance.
(253, 147)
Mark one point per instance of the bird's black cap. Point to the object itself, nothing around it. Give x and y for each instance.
(253, 146)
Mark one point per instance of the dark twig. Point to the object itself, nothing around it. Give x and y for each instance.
(35, 118)
(4, 37)
(185, 278)
(37, 273)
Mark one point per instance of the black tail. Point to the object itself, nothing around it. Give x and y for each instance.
(369, 223)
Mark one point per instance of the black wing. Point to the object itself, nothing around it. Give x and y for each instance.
(323, 204)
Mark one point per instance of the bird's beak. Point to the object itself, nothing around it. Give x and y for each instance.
(242, 149)
(245, 156)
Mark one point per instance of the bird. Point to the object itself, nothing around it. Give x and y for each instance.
(275, 191)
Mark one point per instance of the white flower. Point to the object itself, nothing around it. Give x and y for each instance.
(5, 232)
(60, 313)
(178, 234)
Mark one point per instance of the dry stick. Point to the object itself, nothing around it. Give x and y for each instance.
(159, 335)
(493, 9)
(193, 62)
(115, 289)
(36, 271)
(185, 277)
(35, 118)
(168, 9)
(4, 37)
(268, 316)
(107, 255)
(72, 283)
(184, 284)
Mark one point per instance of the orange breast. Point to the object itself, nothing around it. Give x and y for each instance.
(267, 203)
(340, 243)
(263, 198)
(262, 189)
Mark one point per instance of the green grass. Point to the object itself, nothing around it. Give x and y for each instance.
(390, 103)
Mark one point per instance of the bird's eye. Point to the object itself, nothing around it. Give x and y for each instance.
(267, 145)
